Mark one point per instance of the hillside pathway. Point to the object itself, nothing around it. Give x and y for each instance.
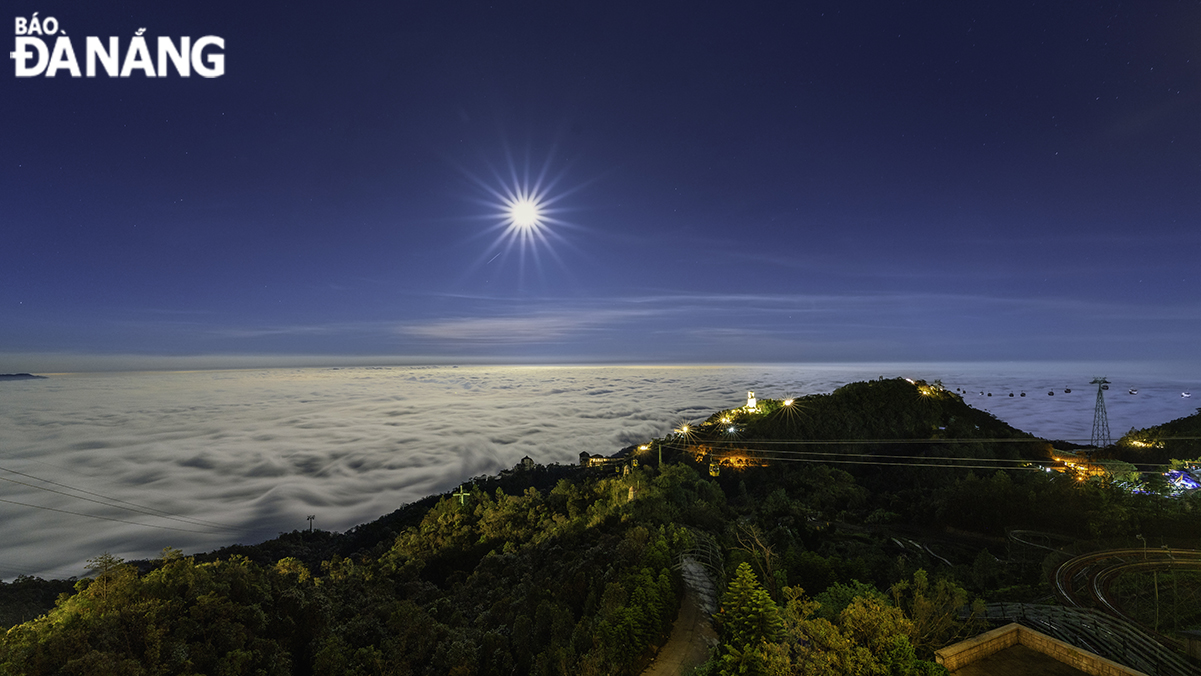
(692, 634)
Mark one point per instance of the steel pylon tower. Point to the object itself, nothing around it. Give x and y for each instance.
(1100, 418)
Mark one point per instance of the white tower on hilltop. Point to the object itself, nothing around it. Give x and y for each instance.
(750, 401)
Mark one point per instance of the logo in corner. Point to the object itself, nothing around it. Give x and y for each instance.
(33, 57)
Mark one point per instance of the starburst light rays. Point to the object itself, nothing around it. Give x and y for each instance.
(525, 209)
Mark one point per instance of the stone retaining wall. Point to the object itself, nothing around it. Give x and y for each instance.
(965, 652)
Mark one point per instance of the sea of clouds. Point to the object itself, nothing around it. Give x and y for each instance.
(198, 460)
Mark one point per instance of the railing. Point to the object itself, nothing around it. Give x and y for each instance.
(707, 554)
(1096, 632)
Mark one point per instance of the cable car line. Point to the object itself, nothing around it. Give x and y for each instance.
(909, 441)
(105, 518)
(140, 509)
(877, 463)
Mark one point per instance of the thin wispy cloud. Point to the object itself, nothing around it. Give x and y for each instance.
(667, 326)
(298, 330)
(522, 327)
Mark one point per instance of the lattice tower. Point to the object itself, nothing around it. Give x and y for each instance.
(1100, 417)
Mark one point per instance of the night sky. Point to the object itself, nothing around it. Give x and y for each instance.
(789, 182)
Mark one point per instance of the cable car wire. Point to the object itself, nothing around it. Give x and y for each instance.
(105, 518)
(136, 508)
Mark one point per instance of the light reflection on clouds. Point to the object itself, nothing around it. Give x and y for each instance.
(260, 450)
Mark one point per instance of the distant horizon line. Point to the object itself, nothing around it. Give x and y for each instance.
(80, 363)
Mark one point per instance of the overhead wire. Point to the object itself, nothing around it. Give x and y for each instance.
(829, 457)
(104, 518)
(824, 442)
(889, 456)
(134, 507)
(878, 463)
(927, 457)
(832, 458)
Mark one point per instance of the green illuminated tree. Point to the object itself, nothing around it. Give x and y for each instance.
(750, 620)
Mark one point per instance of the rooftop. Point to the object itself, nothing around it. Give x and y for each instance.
(1017, 660)
(1015, 650)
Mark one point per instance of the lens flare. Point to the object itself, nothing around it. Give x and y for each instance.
(526, 210)
(525, 214)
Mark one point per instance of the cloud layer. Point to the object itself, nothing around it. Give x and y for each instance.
(256, 451)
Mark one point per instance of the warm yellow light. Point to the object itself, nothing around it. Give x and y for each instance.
(788, 402)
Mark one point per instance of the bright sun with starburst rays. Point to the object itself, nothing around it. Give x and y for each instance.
(526, 210)
(525, 220)
(525, 213)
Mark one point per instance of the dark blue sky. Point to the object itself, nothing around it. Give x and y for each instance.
(795, 181)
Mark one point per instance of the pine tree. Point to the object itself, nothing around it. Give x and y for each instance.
(750, 619)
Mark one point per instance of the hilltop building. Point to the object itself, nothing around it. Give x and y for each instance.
(596, 460)
(621, 464)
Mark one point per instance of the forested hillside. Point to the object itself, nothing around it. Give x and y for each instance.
(1178, 439)
(828, 568)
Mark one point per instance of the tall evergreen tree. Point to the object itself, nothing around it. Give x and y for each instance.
(750, 620)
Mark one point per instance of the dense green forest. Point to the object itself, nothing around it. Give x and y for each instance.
(858, 561)
(1175, 440)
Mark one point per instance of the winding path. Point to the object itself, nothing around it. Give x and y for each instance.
(688, 647)
(692, 634)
